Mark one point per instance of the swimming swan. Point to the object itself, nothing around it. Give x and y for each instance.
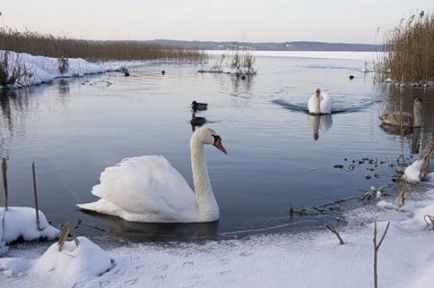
(320, 103)
(149, 189)
(403, 118)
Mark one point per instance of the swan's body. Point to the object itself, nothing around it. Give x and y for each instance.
(320, 103)
(403, 118)
(149, 189)
(365, 68)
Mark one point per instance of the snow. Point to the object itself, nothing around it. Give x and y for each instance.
(73, 263)
(313, 259)
(21, 222)
(45, 69)
(412, 172)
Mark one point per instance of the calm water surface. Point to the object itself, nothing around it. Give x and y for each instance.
(73, 129)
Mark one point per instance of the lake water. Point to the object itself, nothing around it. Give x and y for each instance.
(278, 154)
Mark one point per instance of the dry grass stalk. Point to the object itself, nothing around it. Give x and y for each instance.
(67, 230)
(376, 248)
(429, 220)
(63, 64)
(426, 159)
(404, 192)
(11, 70)
(35, 193)
(333, 230)
(5, 181)
(60, 46)
(410, 57)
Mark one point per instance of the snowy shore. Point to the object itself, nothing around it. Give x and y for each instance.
(315, 259)
(42, 69)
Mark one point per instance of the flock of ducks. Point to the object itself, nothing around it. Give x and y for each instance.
(149, 189)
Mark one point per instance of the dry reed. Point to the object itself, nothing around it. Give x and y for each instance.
(411, 54)
(11, 69)
(68, 230)
(61, 46)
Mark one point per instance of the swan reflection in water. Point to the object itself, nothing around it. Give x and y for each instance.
(320, 122)
(138, 232)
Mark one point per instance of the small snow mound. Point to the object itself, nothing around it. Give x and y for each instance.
(412, 172)
(73, 263)
(21, 222)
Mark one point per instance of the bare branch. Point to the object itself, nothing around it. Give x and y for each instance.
(333, 230)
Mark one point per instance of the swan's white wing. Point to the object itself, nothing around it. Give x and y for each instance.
(326, 103)
(147, 185)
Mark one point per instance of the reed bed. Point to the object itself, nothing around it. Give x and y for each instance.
(61, 46)
(411, 55)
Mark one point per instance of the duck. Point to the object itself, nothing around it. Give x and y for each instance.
(199, 106)
(404, 119)
(148, 189)
(320, 103)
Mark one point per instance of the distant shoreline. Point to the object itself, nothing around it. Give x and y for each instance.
(271, 46)
(349, 55)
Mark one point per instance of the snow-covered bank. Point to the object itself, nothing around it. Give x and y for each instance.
(20, 222)
(40, 69)
(64, 267)
(315, 259)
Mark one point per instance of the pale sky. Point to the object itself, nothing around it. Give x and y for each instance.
(354, 21)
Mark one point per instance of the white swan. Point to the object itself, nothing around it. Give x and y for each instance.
(320, 103)
(403, 118)
(149, 189)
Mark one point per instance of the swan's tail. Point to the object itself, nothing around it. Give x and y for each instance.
(100, 206)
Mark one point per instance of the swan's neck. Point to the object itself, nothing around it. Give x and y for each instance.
(417, 115)
(207, 204)
(318, 103)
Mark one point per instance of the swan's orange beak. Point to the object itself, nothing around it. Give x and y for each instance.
(218, 144)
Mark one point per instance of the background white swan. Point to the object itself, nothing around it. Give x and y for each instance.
(403, 118)
(149, 189)
(320, 103)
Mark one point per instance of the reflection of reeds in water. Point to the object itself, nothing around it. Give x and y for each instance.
(62, 46)
(411, 54)
(14, 108)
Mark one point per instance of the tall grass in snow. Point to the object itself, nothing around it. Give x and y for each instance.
(411, 50)
(61, 46)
